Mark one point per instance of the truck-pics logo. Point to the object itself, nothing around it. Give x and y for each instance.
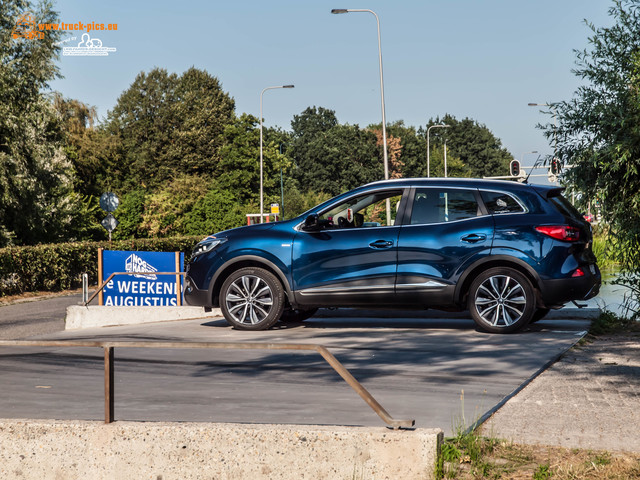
(26, 27)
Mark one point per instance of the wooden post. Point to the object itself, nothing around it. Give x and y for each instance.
(100, 279)
(109, 394)
(178, 283)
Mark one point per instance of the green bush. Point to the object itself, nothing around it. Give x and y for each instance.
(60, 266)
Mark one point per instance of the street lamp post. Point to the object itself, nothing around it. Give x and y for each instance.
(384, 120)
(555, 130)
(555, 123)
(261, 161)
(526, 153)
(442, 125)
(445, 158)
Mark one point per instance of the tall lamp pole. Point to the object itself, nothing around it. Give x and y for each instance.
(384, 119)
(555, 123)
(526, 153)
(441, 125)
(261, 161)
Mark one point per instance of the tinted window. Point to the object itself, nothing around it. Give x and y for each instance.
(564, 206)
(438, 205)
(368, 210)
(498, 203)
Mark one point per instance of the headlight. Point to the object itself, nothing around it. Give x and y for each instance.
(207, 245)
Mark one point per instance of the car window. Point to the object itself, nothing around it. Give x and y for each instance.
(564, 207)
(499, 203)
(368, 210)
(438, 205)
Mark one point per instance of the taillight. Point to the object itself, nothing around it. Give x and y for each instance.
(560, 232)
(578, 273)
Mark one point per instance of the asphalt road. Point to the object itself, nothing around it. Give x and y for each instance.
(28, 318)
(435, 368)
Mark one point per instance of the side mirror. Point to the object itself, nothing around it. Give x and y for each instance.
(312, 223)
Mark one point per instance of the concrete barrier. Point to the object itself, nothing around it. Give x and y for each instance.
(47, 449)
(79, 316)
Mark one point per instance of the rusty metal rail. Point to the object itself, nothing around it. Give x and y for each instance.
(109, 371)
(104, 284)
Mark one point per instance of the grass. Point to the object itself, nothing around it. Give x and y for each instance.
(608, 322)
(470, 456)
(474, 457)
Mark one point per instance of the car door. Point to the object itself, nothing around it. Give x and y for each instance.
(353, 259)
(446, 230)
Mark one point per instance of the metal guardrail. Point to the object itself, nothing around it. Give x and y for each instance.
(109, 370)
(104, 284)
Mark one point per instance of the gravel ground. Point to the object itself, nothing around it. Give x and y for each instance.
(588, 399)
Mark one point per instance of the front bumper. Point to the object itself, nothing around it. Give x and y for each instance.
(194, 296)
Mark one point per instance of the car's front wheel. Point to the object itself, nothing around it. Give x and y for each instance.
(252, 299)
(501, 300)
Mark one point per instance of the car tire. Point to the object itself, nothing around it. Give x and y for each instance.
(252, 299)
(501, 300)
(539, 314)
(297, 315)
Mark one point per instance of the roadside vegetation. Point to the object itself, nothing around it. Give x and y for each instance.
(596, 134)
(471, 457)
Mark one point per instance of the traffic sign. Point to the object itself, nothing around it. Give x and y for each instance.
(109, 223)
(109, 202)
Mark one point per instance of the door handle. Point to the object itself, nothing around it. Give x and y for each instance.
(381, 244)
(474, 238)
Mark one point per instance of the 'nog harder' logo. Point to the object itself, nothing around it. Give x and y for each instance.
(134, 263)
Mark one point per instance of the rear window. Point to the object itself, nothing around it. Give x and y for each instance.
(498, 203)
(565, 208)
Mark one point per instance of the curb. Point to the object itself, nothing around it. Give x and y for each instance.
(80, 316)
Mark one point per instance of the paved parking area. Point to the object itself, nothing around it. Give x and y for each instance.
(435, 368)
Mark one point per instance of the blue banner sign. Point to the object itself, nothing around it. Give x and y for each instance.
(149, 290)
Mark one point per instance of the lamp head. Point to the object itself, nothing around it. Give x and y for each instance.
(339, 10)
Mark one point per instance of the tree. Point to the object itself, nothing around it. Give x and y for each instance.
(218, 210)
(37, 202)
(130, 215)
(598, 132)
(414, 149)
(170, 125)
(239, 167)
(166, 210)
(93, 152)
(394, 153)
(473, 143)
(330, 157)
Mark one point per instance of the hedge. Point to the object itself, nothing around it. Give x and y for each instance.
(60, 266)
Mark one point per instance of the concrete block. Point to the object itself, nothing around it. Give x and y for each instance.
(74, 450)
(79, 316)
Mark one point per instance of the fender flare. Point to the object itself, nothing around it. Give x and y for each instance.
(256, 259)
(503, 259)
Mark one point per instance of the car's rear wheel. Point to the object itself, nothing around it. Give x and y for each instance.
(252, 299)
(297, 315)
(501, 300)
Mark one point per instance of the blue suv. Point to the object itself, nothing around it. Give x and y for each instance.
(506, 251)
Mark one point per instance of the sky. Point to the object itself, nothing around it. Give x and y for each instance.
(482, 59)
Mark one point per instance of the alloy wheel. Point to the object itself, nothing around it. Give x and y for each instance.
(249, 299)
(500, 301)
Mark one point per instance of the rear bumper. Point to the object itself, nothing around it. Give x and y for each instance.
(557, 292)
